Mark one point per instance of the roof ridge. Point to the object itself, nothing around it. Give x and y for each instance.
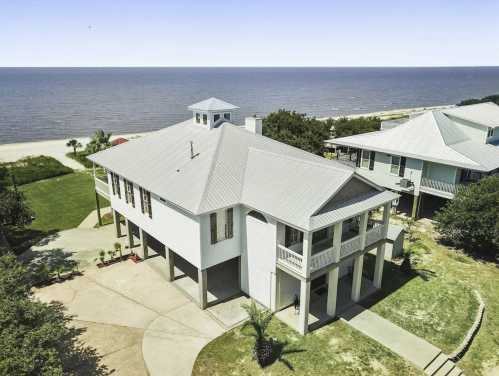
(214, 158)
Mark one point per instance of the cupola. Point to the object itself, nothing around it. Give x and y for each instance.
(212, 112)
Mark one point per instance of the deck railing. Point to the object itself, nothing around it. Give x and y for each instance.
(290, 258)
(102, 187)
(350, 246)
(322, 258)
(375, 234)
(440, 185)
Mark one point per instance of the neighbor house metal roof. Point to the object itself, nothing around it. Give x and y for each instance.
(232, 166)
(486, 114)
(431, 136)
(212, 104)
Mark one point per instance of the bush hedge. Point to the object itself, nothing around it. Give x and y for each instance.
(31, 169)
(81, 157)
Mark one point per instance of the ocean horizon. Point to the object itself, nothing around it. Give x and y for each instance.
(55, 103)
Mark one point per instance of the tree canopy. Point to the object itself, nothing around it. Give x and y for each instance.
(471, 219)
(296, 129)
(100, 141)
(491, 98)
(34, 336)
(344, 126)
(13, 208)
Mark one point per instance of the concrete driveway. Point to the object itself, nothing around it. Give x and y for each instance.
(137, 321)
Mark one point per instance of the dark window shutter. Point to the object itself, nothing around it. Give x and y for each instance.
(149, 207)
(141, 191)
(359, 156)
(230, 223)
(371, 160)
(126, 190)
(132, 195)
(118, 188)
(112, 183)
(402, 167)
(213, 227)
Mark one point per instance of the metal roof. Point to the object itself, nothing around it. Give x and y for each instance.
(234, 166)
(431, 136)
(212, 104)
(486, 114)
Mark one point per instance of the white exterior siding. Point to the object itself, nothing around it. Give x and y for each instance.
(172, 227)
(381, 172)
(474, 131)
(259, 260)
(212, 254)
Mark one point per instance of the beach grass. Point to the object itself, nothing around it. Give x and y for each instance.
(61, 203)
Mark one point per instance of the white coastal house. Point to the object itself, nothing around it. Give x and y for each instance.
(230, 210)
(433, 153)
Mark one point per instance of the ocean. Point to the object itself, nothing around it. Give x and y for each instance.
(58, 103)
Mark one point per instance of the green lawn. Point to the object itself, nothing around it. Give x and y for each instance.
(335, 349)
(61, 203)
(434, 301)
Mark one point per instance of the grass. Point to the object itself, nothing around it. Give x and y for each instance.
(433, 301)
(31, 169)
(81, 157)
(335, 349)
(61, 203)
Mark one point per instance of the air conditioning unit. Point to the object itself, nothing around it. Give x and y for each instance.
(405, 183)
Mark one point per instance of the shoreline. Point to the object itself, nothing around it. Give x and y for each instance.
(57, 148)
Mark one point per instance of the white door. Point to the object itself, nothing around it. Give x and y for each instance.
(261, 254)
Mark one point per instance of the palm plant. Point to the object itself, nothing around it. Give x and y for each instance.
(259, 320)
(111, 254)
(73, 143)
(99, 141)
(117, 248)
(59, 269)
(102, 256)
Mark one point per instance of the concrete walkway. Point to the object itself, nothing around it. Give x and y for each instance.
(91, 220)
(416, 350)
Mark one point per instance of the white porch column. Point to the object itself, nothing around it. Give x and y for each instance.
(332, 290)
(338, 229)
(129, 233)
(170, 264)
(307, 252)
(203, 288)
(273, 291)
(363, 229)
(304, 306)
(357, 277)
(143, 245)
(378, 268)
(117, 224)
(386, 218)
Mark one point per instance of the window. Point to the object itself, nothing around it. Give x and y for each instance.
(221, 225)
(205, 119)
(129, 196)
(257, 215)
(198, 117)
(395, 166)
(490, 132)
(145, 202)
(364, 163)
(319, 235)
(216, 118)
(116, 184)
(292, 236)
(227, 116)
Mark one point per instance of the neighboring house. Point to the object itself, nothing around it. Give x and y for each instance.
(222, 199)
(433, 153)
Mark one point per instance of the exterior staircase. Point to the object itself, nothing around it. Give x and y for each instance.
(441, 365)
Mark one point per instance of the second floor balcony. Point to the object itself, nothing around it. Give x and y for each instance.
(440, 188)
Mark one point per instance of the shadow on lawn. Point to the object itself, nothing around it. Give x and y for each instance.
(22, 239)
(393, 279)
(279, 351)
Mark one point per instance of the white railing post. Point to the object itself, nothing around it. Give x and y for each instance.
(363, 229)
(338, 229)
(307, 252)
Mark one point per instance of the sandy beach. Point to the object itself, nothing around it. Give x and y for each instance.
(58, 149)
(53, 148)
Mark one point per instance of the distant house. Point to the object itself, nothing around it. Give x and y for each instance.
(232, 210)
(118, 141)
(434, 153)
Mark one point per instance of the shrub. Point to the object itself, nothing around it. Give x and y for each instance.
(81, 157)
(471, 220)
(30, 169)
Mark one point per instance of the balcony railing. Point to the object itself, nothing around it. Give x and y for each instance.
(102, 187)
(294, 260)
(289, 258)
(448, 188)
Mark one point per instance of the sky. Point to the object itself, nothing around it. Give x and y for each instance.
(249, 33)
